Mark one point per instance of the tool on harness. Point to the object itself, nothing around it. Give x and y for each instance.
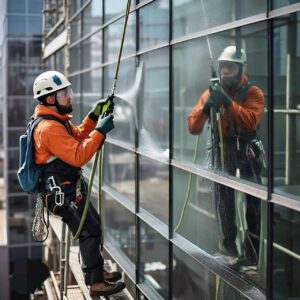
(59, 195)
(78, 195)
(98, 157)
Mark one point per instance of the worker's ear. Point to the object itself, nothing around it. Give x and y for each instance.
(50, 99)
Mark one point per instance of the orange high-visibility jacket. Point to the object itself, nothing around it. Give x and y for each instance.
(51, 139)
(242, 115)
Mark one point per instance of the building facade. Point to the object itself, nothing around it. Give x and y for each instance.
(161, 223)
(21, 62)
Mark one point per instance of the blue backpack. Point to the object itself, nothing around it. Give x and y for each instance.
(29, 172)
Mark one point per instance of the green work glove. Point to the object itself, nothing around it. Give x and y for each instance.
(218, 95)
(105, 124)
(100, 107)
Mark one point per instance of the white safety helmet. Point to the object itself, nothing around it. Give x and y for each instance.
(49, 82)
(229, 54)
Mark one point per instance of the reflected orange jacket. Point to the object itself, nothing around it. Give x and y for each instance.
(51, 139)
(243, 114)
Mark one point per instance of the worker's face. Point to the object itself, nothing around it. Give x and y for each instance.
(230, 74)
(64, 101)
(228, 69)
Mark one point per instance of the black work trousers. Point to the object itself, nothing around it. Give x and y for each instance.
(90, 237)
(225, 204)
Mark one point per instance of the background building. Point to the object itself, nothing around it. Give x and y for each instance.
(161, 225)
(20, 63)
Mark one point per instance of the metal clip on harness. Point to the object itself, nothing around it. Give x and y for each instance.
(59, 195)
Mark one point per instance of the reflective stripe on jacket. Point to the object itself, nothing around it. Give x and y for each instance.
(52, 139)
(242, 115)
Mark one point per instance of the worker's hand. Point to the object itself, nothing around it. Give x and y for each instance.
(101, 106)
(218, 95)
(105, 124)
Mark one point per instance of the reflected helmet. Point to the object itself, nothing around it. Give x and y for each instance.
(49, 82)
(229, 54)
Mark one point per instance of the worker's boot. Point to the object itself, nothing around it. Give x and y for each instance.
(112, 276)
(106, 289)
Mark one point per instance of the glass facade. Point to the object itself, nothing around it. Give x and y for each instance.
(202, 211)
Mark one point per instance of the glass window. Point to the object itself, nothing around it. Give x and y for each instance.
(92, 17)
(236, 222)
(17, 253)
(75, 6)
(154, 260)
(286, 249)
(154, 24)
(17, 25)
(76, 29)
(16, 110)
(35, 25)
(13, 137)
(192, 16)
(115, 7)
(16, 80)
(152, 87)
(119, 228)
(92, 51)
(154, 188)
(281, 3)
(91, 88)
(77, 100)
(112, 38)
(120, 170)
(35, 6)
(13, 159)
(193, 281)
(16, 51)
(35, 52)
(243, 147)
(13, 184)
(75, 53)
(16, 6)
(125, 109)
(287, 106)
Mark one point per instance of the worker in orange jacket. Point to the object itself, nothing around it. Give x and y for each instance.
(62, 149)
(241, 106)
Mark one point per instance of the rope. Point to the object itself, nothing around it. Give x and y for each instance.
(97, 158)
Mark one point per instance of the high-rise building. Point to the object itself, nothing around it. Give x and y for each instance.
(20, 62)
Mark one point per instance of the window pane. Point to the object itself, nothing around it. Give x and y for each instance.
(16, 25)
(154, 188)
(286, 249)
(92, 51)
(35, 52)
(287, 106)
(119, 228)
(75, 53)
(35, 6)
(16, 6)
(91, 89)
(13, 184)
(193, 281)
(92, 17)
(120, 170)
(242, 135)
(236, 222)
(154, 24)
(76, 29)
(35, 25)
(154, 260)
(16, 80)
(13, 159)
(281, 3)
(16, 51)
(112, 38)
(192, 16)
(153, 104)
(114, 8)
(75, 6)
(17, 112)
(125, 101)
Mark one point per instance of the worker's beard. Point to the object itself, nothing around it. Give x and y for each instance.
(64, 109)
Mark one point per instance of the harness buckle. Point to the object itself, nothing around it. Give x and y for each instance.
(59, 195)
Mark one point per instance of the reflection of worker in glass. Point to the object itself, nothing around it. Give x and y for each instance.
(240, 106)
